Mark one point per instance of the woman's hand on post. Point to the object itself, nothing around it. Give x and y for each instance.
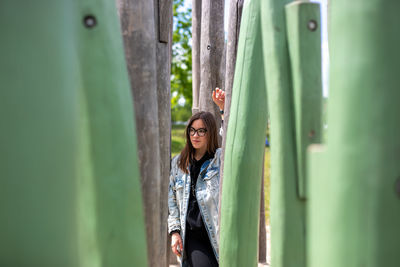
(176, 244)
(218, 97)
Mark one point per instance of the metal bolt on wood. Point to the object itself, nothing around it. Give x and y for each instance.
(90, 21)
(312, 25)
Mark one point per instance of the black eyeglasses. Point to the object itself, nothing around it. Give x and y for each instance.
(200, 132)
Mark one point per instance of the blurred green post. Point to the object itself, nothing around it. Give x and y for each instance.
(69, 180)
(355, 186)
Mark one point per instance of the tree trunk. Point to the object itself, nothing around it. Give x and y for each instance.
(212, 46)
(164, 46)
(147, 50)
(235, 15)
(196, 35)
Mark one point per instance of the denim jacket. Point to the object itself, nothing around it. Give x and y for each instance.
(207, 194)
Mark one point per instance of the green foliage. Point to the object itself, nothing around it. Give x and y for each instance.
(177, 139)
(181, 68)
(181, 113)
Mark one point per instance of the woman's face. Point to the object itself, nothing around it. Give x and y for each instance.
(198, 135)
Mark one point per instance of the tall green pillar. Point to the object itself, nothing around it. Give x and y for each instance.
(304, 43)
(240, 204)
(355, 196)
(69, 181)
(287, 209)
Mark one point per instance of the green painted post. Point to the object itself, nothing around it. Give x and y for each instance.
(316, 190)
(304, 41)
(69, 187)
(287, 210)
(39, 114)
(358, 208)
(115, 177)
(244, 148)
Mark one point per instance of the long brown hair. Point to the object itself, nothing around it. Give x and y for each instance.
(187, 152)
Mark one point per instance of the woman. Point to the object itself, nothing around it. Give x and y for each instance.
(194, 192)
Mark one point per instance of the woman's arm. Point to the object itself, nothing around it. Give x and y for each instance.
(176, 244)
(218, 97)
(174, 223)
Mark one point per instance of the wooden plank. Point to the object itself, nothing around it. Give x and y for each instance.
(164, 20)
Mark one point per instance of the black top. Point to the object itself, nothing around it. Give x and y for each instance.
(194, 221)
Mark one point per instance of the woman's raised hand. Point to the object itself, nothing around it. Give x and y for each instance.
(218, 97)
(176, 244)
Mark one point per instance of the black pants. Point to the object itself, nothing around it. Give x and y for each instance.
(199, 250)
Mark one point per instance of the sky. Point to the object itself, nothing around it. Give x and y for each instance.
(324, 39)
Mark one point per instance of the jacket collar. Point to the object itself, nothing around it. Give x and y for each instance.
(206, 164)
